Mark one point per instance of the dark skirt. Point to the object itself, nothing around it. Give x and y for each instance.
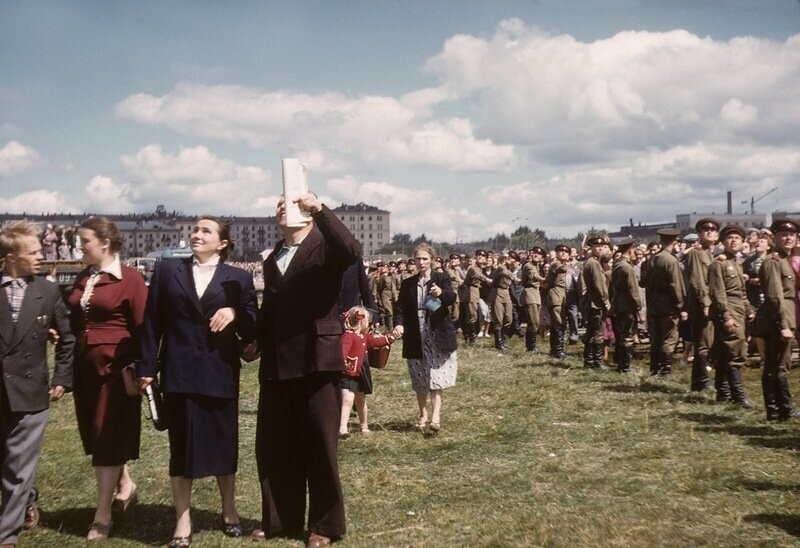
(203, 435)
(362, 383)
(109, 421)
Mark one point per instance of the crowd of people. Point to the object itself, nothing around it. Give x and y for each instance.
(726, 293)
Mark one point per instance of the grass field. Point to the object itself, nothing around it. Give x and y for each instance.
(532, 453)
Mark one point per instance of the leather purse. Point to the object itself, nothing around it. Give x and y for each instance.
(155, 406)
(130, 381)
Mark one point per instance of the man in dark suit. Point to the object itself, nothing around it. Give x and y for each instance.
(29, 307)
(301, 361)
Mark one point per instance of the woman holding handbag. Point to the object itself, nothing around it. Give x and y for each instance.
(429, 343)
(198, 309)
(107, 306)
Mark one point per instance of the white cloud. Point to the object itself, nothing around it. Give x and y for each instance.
(412, 211)
(574, 101)
(37, 202)
(104, 195)
(194, 179)
(16, 158)
(330, 131)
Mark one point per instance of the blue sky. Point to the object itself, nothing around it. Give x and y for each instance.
(463, 118)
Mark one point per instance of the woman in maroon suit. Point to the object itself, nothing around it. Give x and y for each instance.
(106, 311)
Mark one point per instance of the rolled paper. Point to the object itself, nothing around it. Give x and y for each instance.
(295, 184)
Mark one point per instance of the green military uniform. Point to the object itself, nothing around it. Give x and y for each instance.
(775, 316)
(665, 300)
(730, 309)
(472, 296)
(626, 303)
(387, 294)
(596, 306)
(500, 301)
(456, 279)
(698, 302)
(531, 279)
(556, 283)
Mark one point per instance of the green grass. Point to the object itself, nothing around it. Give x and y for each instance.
(532, 453)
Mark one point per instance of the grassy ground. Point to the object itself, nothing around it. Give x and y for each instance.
(532, 453)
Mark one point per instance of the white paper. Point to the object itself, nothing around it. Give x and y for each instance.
(295, 184)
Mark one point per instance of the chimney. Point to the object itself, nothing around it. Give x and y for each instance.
(630, 219)
(730, 203)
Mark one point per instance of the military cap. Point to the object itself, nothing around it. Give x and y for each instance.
(624, 244)
(597, 240)
(380, 263)
(563, 247)
(537, 249)
(412, 261)
(728, 229)
(513, 255)
(455, 256)
(668, 233)
(480, 253)
(706, 222)
(691, 237)
(753, 230)
(392, 263)
(784, 225)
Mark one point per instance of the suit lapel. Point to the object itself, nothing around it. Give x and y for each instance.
(311, 242)
(183, 273)
(6, 327)
(221, 273)
(30, 308)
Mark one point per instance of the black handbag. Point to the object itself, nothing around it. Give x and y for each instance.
(155, 405)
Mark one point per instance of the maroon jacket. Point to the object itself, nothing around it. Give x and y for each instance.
(299, 327)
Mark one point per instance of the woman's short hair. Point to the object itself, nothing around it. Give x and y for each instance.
(224, 231)
(427, 248)
(105, 229)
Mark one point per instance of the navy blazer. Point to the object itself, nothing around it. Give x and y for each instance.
(176, 340)
(23, 347)
(444, 334)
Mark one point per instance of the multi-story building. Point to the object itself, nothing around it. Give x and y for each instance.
(146, 233)
(368, 224)
(685, 221)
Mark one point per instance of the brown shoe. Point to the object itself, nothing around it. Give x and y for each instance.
(123, 505)
(316, 540)
(31, 517)
(99, 531)
(258, 535)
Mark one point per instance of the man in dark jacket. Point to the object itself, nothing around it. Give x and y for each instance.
(301, 361)
(29, 307)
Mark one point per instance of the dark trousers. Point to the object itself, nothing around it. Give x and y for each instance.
(296, 447)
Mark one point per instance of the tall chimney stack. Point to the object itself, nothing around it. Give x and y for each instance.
(730, 202)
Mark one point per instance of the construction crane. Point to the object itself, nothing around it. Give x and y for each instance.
(753, 199)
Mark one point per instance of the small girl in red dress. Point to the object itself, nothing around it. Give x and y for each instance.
(355, 341)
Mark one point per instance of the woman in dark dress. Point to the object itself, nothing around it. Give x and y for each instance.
(198, 309)
(106, 311)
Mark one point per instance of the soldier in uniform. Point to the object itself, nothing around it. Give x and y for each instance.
(776, 321)
(472, 281)
(665, 299)
(386, 293)
(730, 310)
(626, 305)
(556, 284)
(596, 303)
(698, 304)
(500, 300)
(531, 279)
(456, 279)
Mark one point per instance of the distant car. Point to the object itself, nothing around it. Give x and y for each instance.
(61, 273)
(145, 265)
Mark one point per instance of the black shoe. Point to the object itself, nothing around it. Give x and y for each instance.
(233, 530)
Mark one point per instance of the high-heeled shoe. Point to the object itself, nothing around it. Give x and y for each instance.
(123, 505)
(435, 427)
(180, 542)
(99, 531)
(233, 530)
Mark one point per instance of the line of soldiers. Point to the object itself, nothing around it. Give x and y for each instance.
(722, 306)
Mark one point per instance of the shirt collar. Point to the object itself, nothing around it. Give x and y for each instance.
(213, 261)
(114, 268)
(6, 279)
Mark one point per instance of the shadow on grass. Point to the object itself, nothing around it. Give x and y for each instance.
(767, 486)
(397, 426)
(645, 388)
(788, 522)
(761, 435)
(146, 523)
(706, 418)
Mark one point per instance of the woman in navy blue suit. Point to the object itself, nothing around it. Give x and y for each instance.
(197, 311)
